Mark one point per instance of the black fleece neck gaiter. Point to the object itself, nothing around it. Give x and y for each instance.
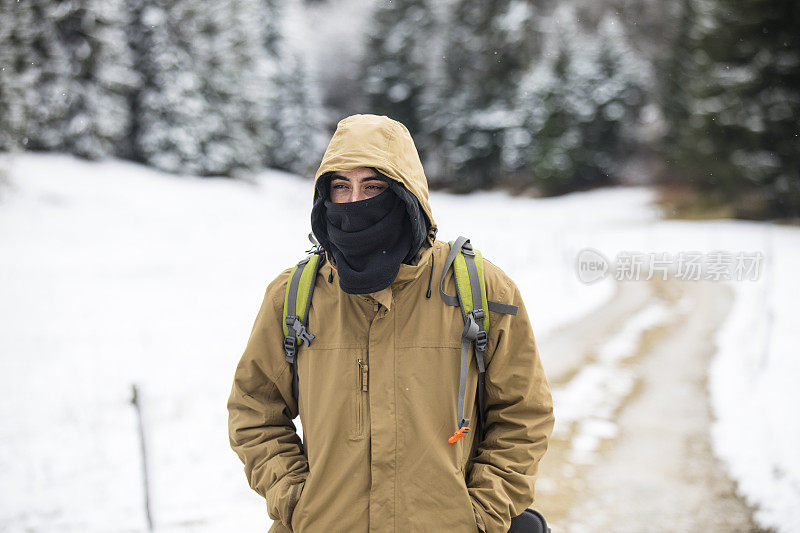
(369, 240)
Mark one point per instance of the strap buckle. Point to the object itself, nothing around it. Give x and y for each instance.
(475, 317)
(290, 347)
(305, 336)
(481, 341)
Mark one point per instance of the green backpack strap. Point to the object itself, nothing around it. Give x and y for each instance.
(475, 306)
(296, 303)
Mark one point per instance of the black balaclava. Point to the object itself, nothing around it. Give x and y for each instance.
(370, 238)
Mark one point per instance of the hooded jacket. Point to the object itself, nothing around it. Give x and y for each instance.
(378, 390)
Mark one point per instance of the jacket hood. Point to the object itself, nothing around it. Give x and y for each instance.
(385, 145)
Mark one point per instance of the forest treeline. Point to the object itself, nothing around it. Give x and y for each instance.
(192, 86)
(545, 96)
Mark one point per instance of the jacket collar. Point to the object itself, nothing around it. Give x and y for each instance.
(405, 276)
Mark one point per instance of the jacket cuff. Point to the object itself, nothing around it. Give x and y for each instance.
(294, 496)
(283, 497)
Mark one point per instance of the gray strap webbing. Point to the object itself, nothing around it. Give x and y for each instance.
(293, 284)
(296, 327)
(311, 291)
(473, 326)
(454, 249)
(477, 335)
(474, 280)
(506, 309)
(291, 311)
(467, 336)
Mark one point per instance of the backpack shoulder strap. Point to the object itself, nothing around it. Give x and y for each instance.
(475, 306)
(296, 303)
(464, 284)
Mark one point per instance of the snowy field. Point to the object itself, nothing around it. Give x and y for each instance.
(113, 274)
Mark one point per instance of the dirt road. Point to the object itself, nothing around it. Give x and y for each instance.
(649, 467)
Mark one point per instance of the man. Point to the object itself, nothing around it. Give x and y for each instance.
(378, 386)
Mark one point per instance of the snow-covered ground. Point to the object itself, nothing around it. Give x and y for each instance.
(113, 274)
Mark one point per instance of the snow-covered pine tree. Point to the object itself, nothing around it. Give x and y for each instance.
(581, 100)
(299, 122)
(556, 95)
(742, 143)
(673, 80)
(17, 72)
(103, 78)
(487, 48)
(172, 110)
(238, 75)
(624, 79)
(70, 75)
(396, 60)
(216, 98)
(42, 66)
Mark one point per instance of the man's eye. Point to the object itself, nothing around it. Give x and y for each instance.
(339, 186)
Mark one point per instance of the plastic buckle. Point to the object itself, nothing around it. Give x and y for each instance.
(477, 314)
(480, 341)
(290, 347)
(305, 336)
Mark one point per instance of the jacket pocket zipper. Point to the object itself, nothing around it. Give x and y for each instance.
(363, 372)
(363, 387)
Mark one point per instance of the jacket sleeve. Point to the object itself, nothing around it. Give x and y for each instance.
(519, 420)
(261, 409)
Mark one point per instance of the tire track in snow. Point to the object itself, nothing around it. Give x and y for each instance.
(568, 347)
(613, 440)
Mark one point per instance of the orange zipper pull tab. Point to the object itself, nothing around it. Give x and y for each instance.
(462, 431)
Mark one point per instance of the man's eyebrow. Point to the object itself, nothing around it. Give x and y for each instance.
(374, 177)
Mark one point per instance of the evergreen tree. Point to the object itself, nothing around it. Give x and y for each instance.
(39, 89)
(217, 97)
(139, 42)
(624, 79)
(193, 86)
(396, 60)
(17, 72)
(238, 75)
(742, 140)
(298, 133)
(487, 49)
(68, 75)
(581, 102)
(674, 77)
(206, 106)
(557, 97)
(172, 109)
(102, 75)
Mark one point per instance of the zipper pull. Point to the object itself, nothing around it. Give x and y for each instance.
(364, 373)
(460, 432)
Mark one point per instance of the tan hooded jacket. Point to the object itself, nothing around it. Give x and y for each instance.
(379, 391)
